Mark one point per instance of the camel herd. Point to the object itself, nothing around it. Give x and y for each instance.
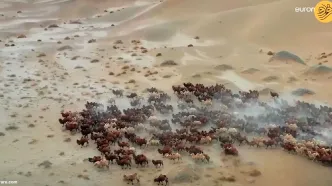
(203, 115)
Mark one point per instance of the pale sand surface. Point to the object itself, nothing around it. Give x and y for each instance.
(35, 87)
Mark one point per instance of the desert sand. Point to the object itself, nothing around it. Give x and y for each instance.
(57, 54)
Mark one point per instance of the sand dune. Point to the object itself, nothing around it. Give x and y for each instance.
(319, 70)
(72, 51)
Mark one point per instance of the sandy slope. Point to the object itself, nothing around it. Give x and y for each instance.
(35, 87)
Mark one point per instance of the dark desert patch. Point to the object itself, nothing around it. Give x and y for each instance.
(319, 70)
(286, 57)
(250, 71)
(302, 92)
(168, 63)
(271, 78)
(223, 67)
